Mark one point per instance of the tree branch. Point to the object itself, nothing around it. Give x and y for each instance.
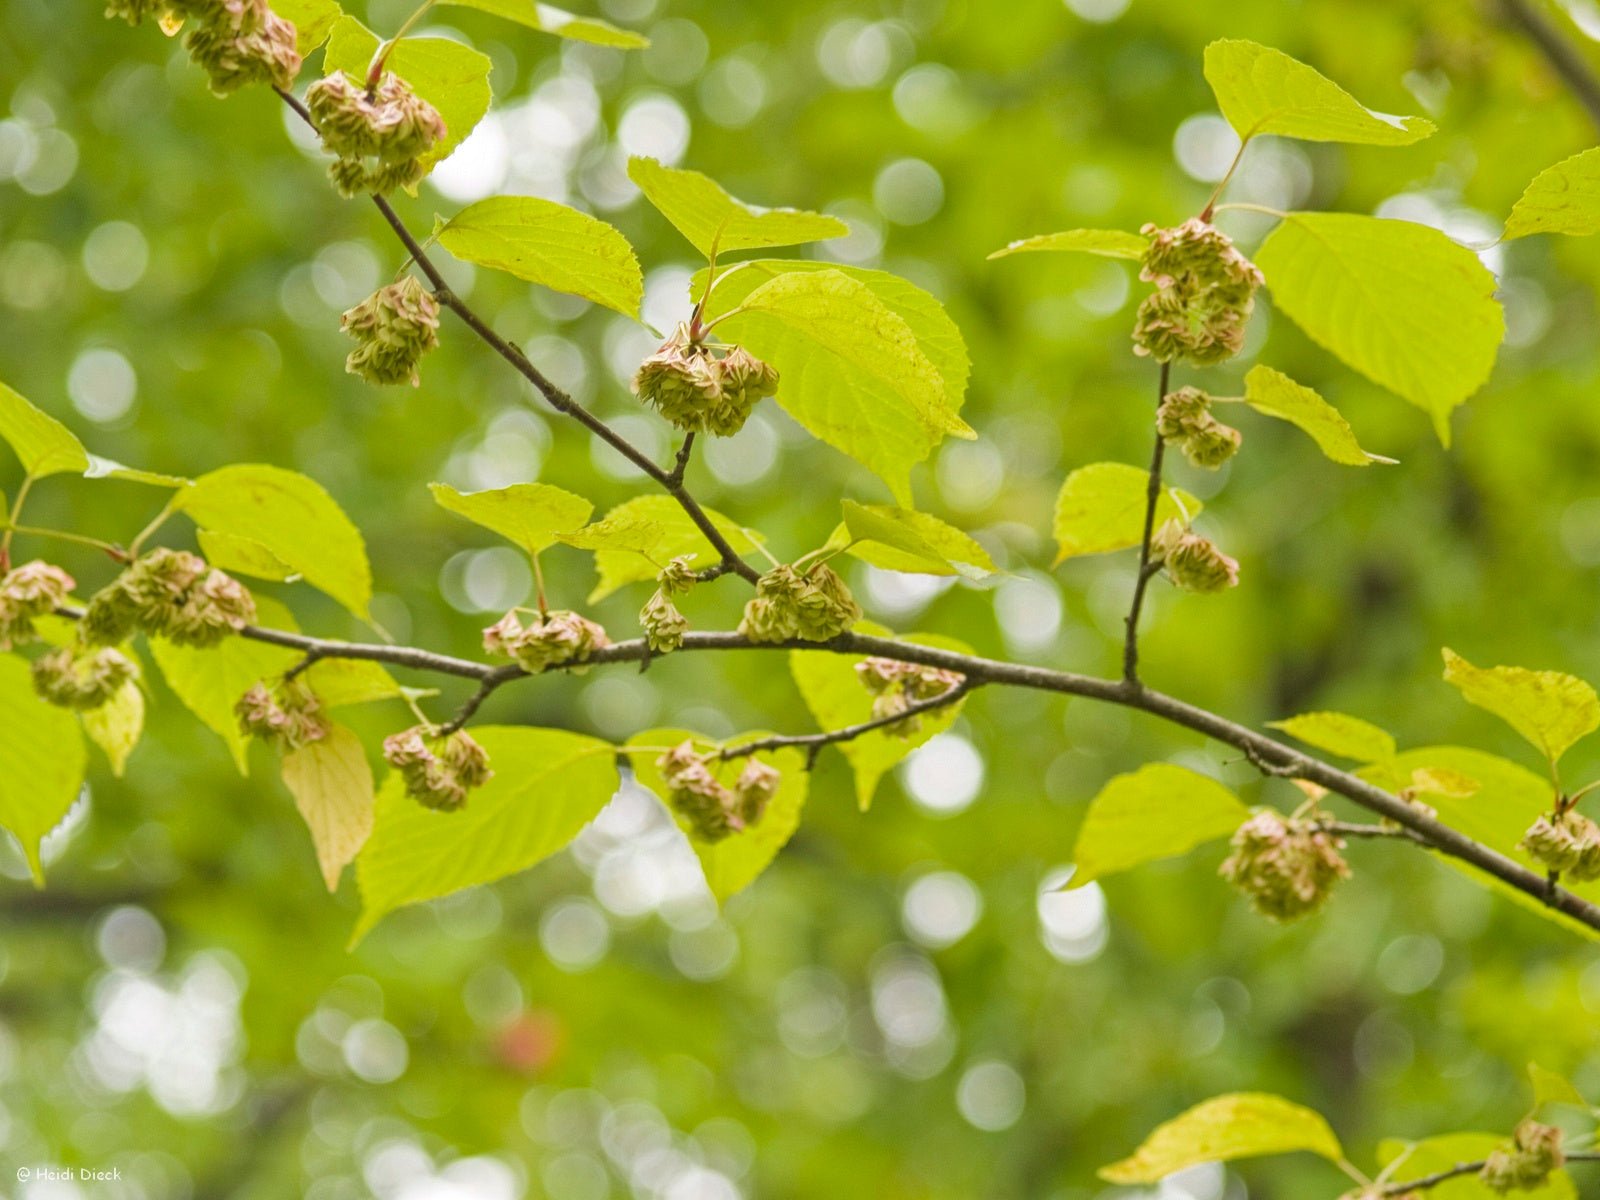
(1460, 1169)
(1130, 646)
(1562, 56)
(813, 743)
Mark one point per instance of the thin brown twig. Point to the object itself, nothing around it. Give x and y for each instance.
(1467, 1168)
(1130, 645)
(812, 743)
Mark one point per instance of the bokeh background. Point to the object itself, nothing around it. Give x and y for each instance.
(901, 1007)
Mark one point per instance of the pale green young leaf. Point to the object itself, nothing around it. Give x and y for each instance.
(242, 556)
(1101, 508)
(899, 539)
(837, 698)
(1225, 1128)
(117, 725)
(1275, 394)
(105, 468)
(733, 863)
(532, 515)
(42, 760)
(1263, 91)
(1551, 1088)
(44, 444)
(551, 245)
(1400, 302)
(1339, 733)
(1107, 243)
(1550, 709)
(548, 19)
(331, 782)
(1564, 198)
(450, 76)
(547, 785)
(1159, 811)
(714, 222)
(293, 518)
(661, 522)
(339, 682)
(1430, 1156)
(312, 19)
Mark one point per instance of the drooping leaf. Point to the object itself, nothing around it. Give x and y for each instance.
(1263, 91)
(1159, 811)
(1435, 1154)
(117, 725)
(837, 698)
(733, 863)
(1275, 394)
(549, 244)
(1101, 508)
(312, 19)
(1225, 1128)
(105, 468)
(42, 761)
(294, 518)
(1400, 302)
(450, 76)
(1107, 243)
(1564, 198)
(549, 19)
(1339, 733)
(1551, 1088)
(530, 514)
(547, 785)
(44, 444)
(662, 529)
(899, 539)
(331, 782)
(714, 222)
(1548, 708)
(242, 556)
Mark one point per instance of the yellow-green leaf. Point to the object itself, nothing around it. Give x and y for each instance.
(105, 468)
(714, 222)
(1548, 708)
(1225, 1128)
(1339, 733)
(547, 785)
(1564, 198)
(548, 19)
(1264, 91)
(117, 725)
(1275, 394)
(549, 244)
(331, 782)
(343, 681)
(312, 19)
(1159, 811)
(1551, 1088)
(242, 556)
(899, 539)
(1101, 508)
(1107, 243)
(653, 525)
(1400, 302)
(532, 515)
(293, 518)
(44, 444)
(42, 761)
(1419, 1160)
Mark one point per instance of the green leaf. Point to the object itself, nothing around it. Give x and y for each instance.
(653, 525)
(1548, 708)
(210, 679)
(339, 682)
(898, 539)
(1275, 394)
(548, 19)
(1264, 91)
(1159, 811)
(242, 556)
(1400, 302)
(1101, 508)
(312, 19)
(836, 697)
(1339, 733)
(1551, 1088)
(714, 222)
(331, 782)
(850, 369)
(1564, 198)
(733, 864)
(293, 518)
(1225, 1128)
(117, 725)
(42, 761)
(451, 77)
(530, 514)
(105, 468)
(1433, 1155)
(549, 244)
(547, 785)
(1107, 243)
(44, 444)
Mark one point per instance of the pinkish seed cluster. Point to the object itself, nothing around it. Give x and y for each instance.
(33, 590)
(1286, 866)
(287, 716)
(702, 388)
(171, 594)
(1205, 292)
(553, 639)
(896, 686)
(438, 771)
(713, 810)
(381, 134)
